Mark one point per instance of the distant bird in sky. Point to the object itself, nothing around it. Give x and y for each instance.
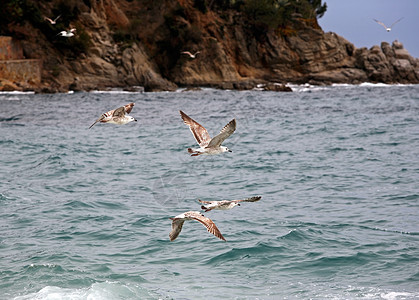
(208, 145)
(387, 28)
(190, 54)
(117, 116)
(53, 22)
(225, 204)
(177, 224)
(67, 33)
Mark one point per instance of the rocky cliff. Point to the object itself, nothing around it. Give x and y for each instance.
(120, 43)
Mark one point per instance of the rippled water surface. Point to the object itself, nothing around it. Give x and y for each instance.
(84, 213)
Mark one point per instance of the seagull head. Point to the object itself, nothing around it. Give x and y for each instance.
(130, 119)
(225, 149)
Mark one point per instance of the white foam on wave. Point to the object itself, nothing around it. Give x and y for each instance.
(17, 93)
(311, 88)
(397, 295)
(97, 291)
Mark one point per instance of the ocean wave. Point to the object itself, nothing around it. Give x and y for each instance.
(97, 291)
(260, 251)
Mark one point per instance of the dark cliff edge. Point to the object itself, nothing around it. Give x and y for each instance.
(129, 44)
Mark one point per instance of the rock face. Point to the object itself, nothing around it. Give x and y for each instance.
(230, 55)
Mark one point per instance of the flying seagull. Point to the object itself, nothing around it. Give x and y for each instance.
(190, 54)
(117, 116)
(207, 145)
(225, 204)
(387, 28)
(67, 33)
(177, 223)
(53, 22)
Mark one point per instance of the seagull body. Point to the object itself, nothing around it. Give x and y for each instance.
(387, 28)
(53, 22)
(225, 204)
(67, 33)
(190, 54)
(117, 116)
(177, 224)
(207, 145)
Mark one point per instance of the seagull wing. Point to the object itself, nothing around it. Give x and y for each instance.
(205, 202)
(100, 119)
(199, 132)
(119, 112)
(48, 19)
(208, 223)
(381, 23)
(396, 22)
(177, 225)
(55, 20)
(187, 52)
(251, 199)
(224, 133)
(128, 107)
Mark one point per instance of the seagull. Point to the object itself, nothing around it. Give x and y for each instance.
(207, 145)
(67, 33)
(190, 54)
(193, 215)
(387, 28)
(117, 116)
(53, 22)
(225, 204)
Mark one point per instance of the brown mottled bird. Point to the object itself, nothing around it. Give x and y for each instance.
(208, 145)
(177, 224)
(117, 116)
(225, 204)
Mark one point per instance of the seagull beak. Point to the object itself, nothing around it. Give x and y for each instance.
(135, 120)
(229, 150)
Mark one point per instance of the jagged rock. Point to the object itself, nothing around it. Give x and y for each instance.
(277, 87)
(8, 86)
(232, 56)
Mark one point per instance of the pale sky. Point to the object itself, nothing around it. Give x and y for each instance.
(353, 20)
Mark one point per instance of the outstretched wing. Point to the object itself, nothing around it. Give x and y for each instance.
(187, 52)
(199, 132)
(98, 120)
(224, 133)
(209, 224)
(119, 112)
(251, 199)
(396, 22)
(205, 202)
(129, 107)
(55, 20)
(381, 23)
(177, 225)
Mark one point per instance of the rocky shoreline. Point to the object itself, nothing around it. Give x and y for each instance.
(230, 57)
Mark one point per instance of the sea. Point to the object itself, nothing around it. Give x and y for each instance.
(85, 213)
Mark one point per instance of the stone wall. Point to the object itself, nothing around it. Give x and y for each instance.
(24, 71)
(15, 71)
(10, 49)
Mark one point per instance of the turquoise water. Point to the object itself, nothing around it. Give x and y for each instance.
(84, 214)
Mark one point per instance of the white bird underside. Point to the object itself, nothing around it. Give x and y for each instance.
(53, 22)
(177, 224)
(190, 54)
(117, 116)
(207, 145)
(225, 204)
(384, 25)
